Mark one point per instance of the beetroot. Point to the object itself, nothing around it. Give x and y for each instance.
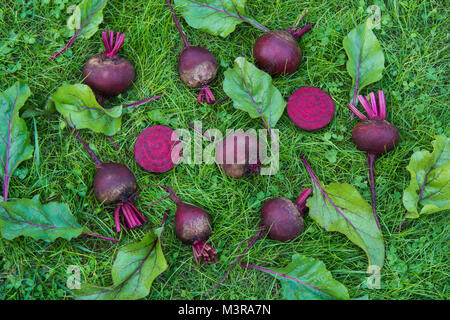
(193, 227)
(157, 149)
(238, 154)
(109, 74)
(197, 66)
(281, 220)
(114, 183)
(374, 135)
(277, 52)
(310, 108)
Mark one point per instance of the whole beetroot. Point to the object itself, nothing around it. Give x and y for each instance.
(374, 135)
(277, 52)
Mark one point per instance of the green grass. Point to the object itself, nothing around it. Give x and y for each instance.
(414, 40)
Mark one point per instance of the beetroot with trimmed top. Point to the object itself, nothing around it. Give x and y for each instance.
(310, 108)
(281, 220)
(109, 74)
(374, 135)
(277, 52)
(197, 65)
(238, 154)
(157, 149)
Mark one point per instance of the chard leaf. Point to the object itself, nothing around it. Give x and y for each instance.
(429, 189)
(87, 15)
(365, 58)
(216, 17)
(307, 279)
(78, 104)
(133, 271)
(252, 91)
(15, 143)
(30, 218)
(339, 207)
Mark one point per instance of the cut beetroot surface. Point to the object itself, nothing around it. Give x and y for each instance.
(310, 108)
(154, 147)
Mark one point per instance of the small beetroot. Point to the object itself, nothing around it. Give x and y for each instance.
(374, 135)
(109, 74)
(157, 149)
(197, 65)
(277, 52)
(238, 154)
(310, 108)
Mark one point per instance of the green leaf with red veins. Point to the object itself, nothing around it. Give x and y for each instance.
(365, 58)
(307, 279)
(429, 189)
(87, 9)
(77, 104)
(252, 91)
(216, 17)
(15, 143)
(30, 218)
(133, 271)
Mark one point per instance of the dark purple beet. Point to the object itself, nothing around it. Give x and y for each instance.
(109, 74)
(113, 183)
(282, 217)
(197, 65)
(193, 227)
(375, 136)
(277, 52)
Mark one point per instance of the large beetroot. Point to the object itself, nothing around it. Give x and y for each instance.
(277, 52)
(374, 135)
(197, 65)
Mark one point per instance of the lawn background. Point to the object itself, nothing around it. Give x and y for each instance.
(414, 38)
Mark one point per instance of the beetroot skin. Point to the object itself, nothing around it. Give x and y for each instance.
(277, 52)
(155, 149)
(109, 74)
(197, 65)
(310, 108)
(374, 135)
(113, 182)
(238, 154)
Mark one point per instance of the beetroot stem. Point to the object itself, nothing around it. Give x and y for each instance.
(371, 163)
(74, 131)
(382, 102)
(144, 101)
(76, 34)
(299, 33)
(99, 236)
(177, 24)
(356, 112)
(261, 234)
(301, 201)
(366, 105)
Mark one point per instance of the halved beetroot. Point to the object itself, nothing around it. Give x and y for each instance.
(310, 108)
(157, 149)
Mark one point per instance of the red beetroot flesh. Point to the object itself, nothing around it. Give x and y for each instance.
(157, 149)
(108, 76)
(282, 218)
(197, 66)
(113, 183)
(277, 53)
(375, 136)
(310, 108)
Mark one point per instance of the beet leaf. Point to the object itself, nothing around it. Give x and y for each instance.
(216, 17)
(365, 58)
(339, 207)
(77, 103)
(252, 91)
(306, 279)
(15, 143)
(133, 271)
(429, 189)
